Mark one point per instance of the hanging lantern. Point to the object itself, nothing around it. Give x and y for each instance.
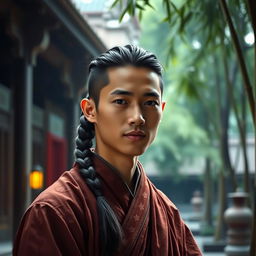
(36, 179)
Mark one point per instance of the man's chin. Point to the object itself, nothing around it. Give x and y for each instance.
(138, 152)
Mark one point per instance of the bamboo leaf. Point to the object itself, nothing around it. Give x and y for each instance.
(150, 5)
(140, 7)
(168, 9)
(166, 19)
(140, 15)
(184, 22)
(123, 13)
(174, 7)
(115, 3)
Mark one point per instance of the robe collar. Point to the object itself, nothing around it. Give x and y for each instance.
(111, 175)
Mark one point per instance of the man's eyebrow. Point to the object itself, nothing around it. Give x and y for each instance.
(121, 92)
(124, 92)
(151, 94)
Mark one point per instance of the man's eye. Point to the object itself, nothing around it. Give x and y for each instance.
(152, 103)
(120, 102)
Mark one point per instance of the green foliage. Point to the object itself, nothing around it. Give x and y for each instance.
(179, 139)
(208, 63)
(189, 37)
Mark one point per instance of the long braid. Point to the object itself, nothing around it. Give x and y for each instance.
(110, 229)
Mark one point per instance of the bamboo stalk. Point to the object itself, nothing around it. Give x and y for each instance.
(241, 126)
(241, 61)
(252, 12)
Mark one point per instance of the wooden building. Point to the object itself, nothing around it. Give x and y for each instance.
(105, 20)
(45, 48)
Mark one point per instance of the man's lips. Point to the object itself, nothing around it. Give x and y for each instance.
(135, 135)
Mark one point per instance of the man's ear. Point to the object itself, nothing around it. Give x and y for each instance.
(163, 105)
(89, 109)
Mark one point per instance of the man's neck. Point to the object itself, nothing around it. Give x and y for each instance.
(125, 165)
(126, 168)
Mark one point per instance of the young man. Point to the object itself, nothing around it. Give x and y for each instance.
(106, 205)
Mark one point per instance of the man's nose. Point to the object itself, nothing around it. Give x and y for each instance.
(136, 117)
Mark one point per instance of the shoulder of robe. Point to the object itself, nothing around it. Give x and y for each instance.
(165, 201)
(67, 193)
(41, 210)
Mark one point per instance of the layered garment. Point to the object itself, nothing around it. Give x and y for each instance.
(63, 220)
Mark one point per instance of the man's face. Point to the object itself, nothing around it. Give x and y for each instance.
(128, 113)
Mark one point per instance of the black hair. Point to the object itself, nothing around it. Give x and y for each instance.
(110, 228)
(116, 57)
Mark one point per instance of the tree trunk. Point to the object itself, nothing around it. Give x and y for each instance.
(223, 110)
(225, 149)
(220, 227)
(241, 122)
(252, 8)
(207, 194)
(244, 148)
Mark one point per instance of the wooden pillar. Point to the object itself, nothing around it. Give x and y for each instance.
(74, 76)
(31, 37)
(23, 138)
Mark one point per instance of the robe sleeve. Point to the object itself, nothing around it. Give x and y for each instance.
(181, 234)
(191, 247)
(44, 231)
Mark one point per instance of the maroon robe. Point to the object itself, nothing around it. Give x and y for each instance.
(63, 219)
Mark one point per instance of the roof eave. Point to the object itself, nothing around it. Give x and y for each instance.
(70, 17)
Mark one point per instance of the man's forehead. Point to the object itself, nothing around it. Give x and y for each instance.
(130, 69)
(131, 74)
(147, 92)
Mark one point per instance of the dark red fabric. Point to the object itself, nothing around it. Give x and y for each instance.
(63, 219)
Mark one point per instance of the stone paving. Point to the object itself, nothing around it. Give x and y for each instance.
(186, 213)
(201, 240)
(194, 226)
(5, 249)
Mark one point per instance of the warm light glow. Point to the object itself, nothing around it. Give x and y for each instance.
(36, 179)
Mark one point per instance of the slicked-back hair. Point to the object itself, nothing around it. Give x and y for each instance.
(109, 227)
(118, 57)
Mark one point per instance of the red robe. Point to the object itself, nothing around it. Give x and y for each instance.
(63, 219)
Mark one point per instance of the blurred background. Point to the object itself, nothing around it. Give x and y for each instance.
(205, 148)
